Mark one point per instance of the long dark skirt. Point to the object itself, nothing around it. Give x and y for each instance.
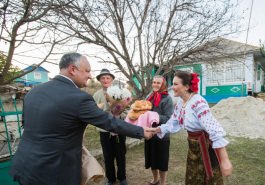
(195, 172)
(157, 154)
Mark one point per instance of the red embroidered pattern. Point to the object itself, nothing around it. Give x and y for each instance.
(195, 106)
(197, 103)
(181, 116)
(203, 113)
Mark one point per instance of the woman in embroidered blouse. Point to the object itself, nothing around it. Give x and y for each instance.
(207, 158)
(156, 149)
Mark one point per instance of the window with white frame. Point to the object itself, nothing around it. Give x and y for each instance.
(37, 75)
(224, 72)
(233, 71)
(215, 73)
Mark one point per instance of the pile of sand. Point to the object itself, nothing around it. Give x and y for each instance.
(244, 116)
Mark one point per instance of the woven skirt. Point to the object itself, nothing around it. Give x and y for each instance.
(195, 172)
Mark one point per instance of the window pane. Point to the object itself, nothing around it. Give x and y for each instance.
(223, 72)
(37, 75)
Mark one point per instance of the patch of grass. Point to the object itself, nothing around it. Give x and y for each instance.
(247, 156)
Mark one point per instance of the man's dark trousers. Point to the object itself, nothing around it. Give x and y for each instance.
(114, 147)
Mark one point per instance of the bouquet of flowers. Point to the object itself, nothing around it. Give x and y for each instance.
(118, 98)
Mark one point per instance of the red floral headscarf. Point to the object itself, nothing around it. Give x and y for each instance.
(156, 96)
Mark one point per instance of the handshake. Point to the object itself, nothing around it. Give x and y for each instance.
(150, 132)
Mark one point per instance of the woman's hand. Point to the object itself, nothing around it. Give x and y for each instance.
(225, 164)
(226, 167)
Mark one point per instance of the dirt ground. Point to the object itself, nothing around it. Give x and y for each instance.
(138, 175)
(246, 155)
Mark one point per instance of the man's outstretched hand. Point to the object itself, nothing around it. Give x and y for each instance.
(148, 133)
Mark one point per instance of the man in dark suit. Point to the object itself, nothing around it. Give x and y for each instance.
(56, 114)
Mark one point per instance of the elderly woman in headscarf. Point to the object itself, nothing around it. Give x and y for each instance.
(156, 149)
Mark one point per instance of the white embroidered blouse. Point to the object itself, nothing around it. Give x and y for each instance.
(195, 116)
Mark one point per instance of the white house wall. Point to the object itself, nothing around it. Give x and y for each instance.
(249, 68)
(257, 86)
(259, 79)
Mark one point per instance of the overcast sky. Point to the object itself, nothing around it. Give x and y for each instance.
(257, 22)
(256, 33)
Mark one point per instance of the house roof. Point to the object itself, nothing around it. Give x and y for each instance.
(228, 49)
(229, 46)
(222, 48)
(215, 49)
(37, 69)
(7, 88)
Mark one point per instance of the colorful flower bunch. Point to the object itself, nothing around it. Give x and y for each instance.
(194, 82)
(118, 98)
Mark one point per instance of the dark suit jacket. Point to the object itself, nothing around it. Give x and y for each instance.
(55, 116)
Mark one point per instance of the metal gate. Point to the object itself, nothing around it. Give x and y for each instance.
(10, 134)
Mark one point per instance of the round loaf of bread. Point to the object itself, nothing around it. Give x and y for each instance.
(141, 105)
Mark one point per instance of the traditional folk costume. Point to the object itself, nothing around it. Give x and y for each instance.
(205, 135)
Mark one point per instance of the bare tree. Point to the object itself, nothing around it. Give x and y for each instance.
(139, 35)
(22, 25)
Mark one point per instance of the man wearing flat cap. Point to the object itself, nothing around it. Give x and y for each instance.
(105, 72)
(113, 146)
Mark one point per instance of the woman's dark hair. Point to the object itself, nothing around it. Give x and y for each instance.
(185, 77)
